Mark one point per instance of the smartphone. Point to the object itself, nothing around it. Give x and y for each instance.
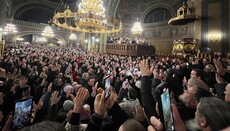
(22, 113)
(165, 110)
(107, 87)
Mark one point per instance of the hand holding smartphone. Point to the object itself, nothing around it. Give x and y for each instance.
(107, 87)
(22, 113)
(165, 110)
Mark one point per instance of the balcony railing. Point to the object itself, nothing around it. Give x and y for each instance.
(129, 49)
(32, 24)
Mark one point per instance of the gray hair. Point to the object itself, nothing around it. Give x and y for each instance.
(215, 111)
(129, 107)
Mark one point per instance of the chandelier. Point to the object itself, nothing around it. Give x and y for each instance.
(10, 29)
(90, 17)
(137, 29)
(73, 36)
(48, 32)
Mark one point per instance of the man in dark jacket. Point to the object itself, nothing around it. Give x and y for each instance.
(189, 99)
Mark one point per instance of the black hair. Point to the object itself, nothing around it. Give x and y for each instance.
(132, 94)
(199, 73)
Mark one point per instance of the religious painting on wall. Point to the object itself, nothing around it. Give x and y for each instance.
(185, 46)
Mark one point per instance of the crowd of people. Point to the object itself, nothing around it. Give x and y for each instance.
(68, 90)
(126, 40)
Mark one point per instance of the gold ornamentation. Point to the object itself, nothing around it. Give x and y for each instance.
(184, 16)
(90, 17)
(189, 47)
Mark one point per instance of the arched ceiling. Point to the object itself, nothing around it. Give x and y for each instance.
(126, 10)
(38, 15)
(130, 10)
(64, 1)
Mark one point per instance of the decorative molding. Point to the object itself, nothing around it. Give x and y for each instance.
(166, 32)
(115, 9)
(155, 6)
(45, 3)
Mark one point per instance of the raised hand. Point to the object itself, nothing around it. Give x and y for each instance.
(219, 67)
(50, 87)
(178, 122)
(81, 97)
(55, 98)
(139, 114)
(156, 124)
(100, 104)
(94, 89)
(219, 79)
(112, 99)
(43, 82)
(144, 67)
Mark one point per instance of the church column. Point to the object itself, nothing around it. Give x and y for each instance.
(101, 41)
(83, 42)
(4, 8)
(3, 12)
(104, 43)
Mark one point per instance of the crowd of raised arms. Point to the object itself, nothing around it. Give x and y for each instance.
(69, 92)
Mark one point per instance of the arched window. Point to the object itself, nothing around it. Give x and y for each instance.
(157, 15)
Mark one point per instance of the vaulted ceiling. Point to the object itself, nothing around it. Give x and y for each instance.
(41, 11)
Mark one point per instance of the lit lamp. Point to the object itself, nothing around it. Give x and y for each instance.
(137, 29)
(48, 32)
(59, 42)
(97, 40)
(20, 39)
(214, 37)
(90, 17)
(73, 36)
(72, 39)
(10, 29)
(41, 40)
